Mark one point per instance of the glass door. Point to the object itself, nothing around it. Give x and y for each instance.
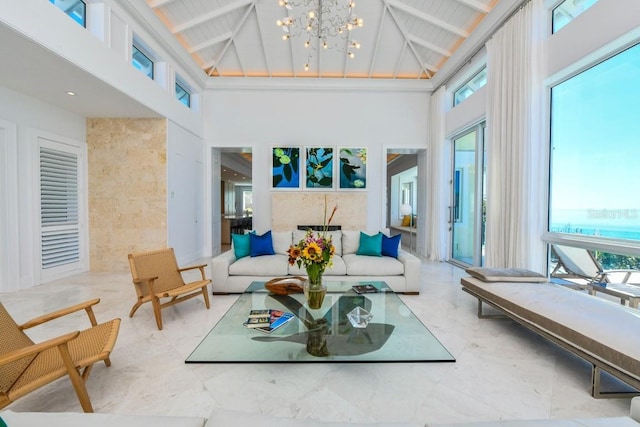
(466, 213)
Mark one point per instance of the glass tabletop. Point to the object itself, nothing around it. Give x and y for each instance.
(394, 334)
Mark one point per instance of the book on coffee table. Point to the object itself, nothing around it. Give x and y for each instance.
(267, 320)
(257, 322)
(365, 289)
(259, 313)
(276, 322)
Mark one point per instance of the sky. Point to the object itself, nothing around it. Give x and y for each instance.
(595, 140)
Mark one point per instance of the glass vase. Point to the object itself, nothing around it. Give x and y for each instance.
(314, 291)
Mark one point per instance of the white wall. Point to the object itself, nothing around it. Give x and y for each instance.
(31, 119)
(185, 198)
(586, 38)
(261, 119)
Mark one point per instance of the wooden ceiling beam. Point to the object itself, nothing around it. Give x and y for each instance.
(154, 4)
(214, 64)
(425, 67)
(476, 5)
(396, 4)
(211, 15)
(211, 42)
(429, 45)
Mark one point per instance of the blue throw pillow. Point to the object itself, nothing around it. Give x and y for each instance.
(390, 245)
(370, 245)
(241, 245)
(262, 245)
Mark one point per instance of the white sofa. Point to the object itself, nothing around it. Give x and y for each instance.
(227, 418)
(231, 275)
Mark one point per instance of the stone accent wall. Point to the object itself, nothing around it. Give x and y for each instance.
(290, 209)
(127, 189)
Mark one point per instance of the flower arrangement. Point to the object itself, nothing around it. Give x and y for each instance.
(315, 251)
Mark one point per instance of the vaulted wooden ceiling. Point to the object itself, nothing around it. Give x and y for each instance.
(400, 39)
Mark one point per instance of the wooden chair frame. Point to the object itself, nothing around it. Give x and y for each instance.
(155, 287)
(68, 360)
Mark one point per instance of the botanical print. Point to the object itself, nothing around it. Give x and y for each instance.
(319, 168)
(285, 169)
(353, 168)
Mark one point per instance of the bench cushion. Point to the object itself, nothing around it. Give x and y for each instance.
(603, 329)
(505, 274)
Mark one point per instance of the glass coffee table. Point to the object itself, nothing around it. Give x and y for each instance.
(394, 334)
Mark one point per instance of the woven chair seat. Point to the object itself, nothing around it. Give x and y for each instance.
(91, 346)
(189, 287)
(26, 366)
(156, 275)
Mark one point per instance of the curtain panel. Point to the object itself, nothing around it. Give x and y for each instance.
(515, 146)
(439, 172)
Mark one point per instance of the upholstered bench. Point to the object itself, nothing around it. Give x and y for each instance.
(602, 332)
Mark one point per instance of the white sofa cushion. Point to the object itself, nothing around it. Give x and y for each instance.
(281, 241)
(266, 265)
(79, 419)
(362, 265)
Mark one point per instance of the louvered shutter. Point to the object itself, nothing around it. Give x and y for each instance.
(59, 209)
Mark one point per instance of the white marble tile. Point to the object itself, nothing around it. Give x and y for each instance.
(502, 370)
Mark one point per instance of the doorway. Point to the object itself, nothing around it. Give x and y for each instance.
(468, 197)
(233, 185)
(405, 195)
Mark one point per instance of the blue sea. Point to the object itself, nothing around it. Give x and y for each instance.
(589, 230)
(613, 223)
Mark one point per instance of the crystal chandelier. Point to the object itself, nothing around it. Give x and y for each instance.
(329, 21)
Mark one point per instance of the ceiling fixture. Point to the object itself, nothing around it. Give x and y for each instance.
(328, 21)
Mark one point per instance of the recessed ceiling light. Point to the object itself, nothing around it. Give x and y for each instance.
(70, 93)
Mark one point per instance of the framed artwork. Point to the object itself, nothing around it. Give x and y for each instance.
(319, 168)
(285, 167)
(353, 169)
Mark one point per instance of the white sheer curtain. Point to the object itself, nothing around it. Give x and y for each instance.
(437, 179)
(515, 152)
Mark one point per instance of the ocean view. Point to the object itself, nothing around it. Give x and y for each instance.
(614, 223)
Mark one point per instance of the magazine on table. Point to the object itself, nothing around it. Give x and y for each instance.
(267, 320)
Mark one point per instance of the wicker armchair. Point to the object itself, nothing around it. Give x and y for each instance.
(26, 366)
(156, 275)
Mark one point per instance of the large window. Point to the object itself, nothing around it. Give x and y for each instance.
(595, 148)
(76, 9)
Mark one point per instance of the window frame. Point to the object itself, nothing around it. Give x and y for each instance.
(571, 18)
(482, 69)
(135, 46)
(66, 11)
(179, 84)
(590, 242)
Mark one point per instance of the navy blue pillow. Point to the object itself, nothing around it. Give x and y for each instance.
(390, 245)
(262, 245)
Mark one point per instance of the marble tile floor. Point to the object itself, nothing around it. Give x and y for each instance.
(502, 371)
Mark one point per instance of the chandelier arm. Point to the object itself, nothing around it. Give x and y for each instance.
(325, 20)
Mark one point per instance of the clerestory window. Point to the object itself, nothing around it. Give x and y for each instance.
(566, 11)
(76, 9)
(142, 61)
(470, 86)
